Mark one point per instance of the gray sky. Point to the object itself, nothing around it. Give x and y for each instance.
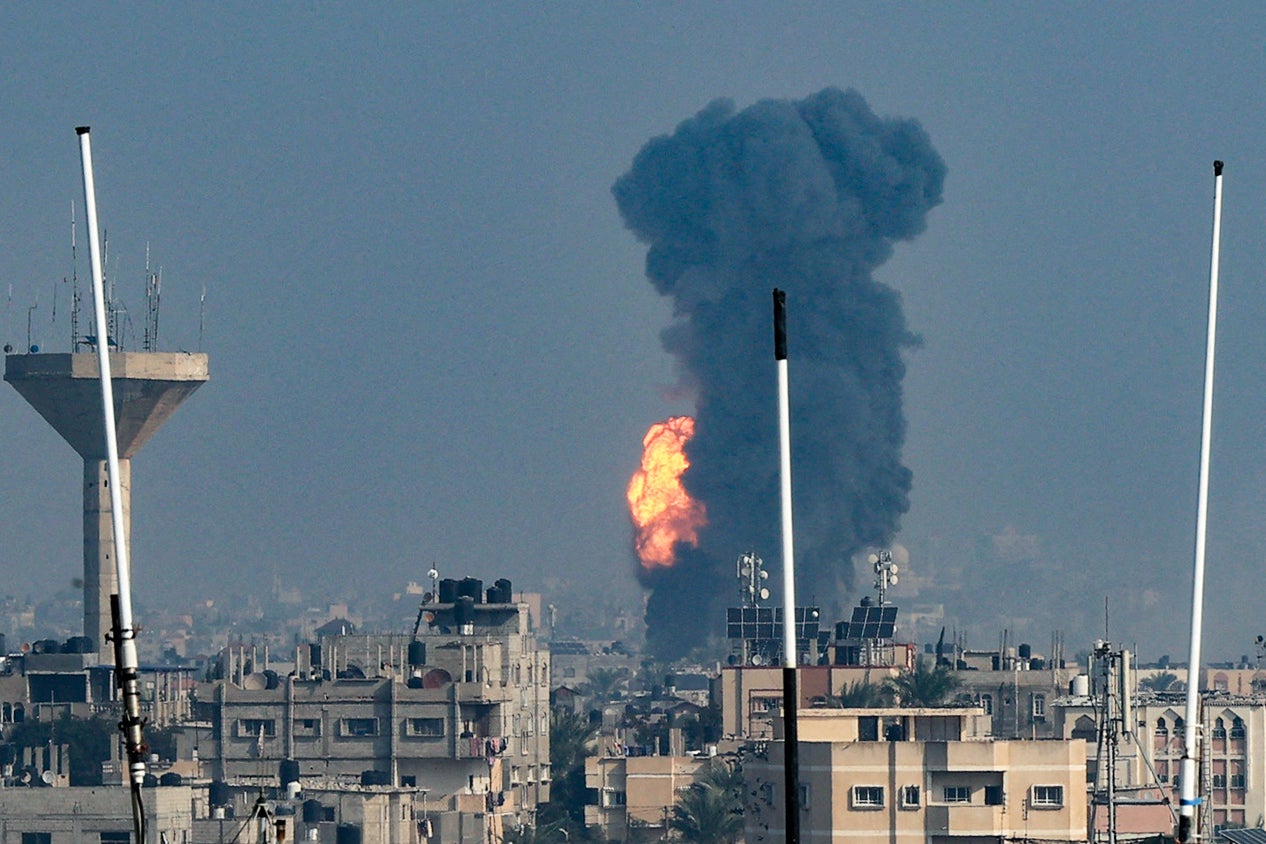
(431, 337)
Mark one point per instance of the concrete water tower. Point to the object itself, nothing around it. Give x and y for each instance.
(65, 390)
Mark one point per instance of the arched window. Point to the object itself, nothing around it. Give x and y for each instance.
(1219, 728)
(1237, 728)
(1162, 728)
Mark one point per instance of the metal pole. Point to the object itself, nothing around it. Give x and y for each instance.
(126, 663)
(790, 694)
(1187, 771)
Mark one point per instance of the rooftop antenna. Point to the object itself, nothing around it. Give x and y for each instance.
(74, 285)
(153, 293)
(790, 695)
(8, 321)
(123, 634)
(30, 346)
(202, 313)
(1187, 772)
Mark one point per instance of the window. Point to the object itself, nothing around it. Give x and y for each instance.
(1162, 729)
(957, 794)
(1237, 781)
(1048, 796)
(307, 727)
(425, 727)
(251, 727)
(116, 837)
(986, 703)
(868, 796)
(805, 794)
(1219, 729)
(1039, 707)
(1219, 780)
(910, 795)
(360, 726)
(1237, 729)
(994, 795)
(37, 838)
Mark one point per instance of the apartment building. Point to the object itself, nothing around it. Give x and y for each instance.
(1232, 750)
(918, 775)
(459, 711)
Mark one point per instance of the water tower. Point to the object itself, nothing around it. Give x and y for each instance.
(65, 390)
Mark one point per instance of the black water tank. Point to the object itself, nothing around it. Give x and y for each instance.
(995, 662)
(347, 834)
(417, 653)
(1025, 651)
(448, 591)
(218, 793)
(375, 778)
(501, 592)
(289, 771)
(314, 655)
(77, 645)
(313, 811)
(170, 778)
(471, 587)
(464, 610)
(150, 781)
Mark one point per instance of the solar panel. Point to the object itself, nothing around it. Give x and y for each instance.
(869, 622)
(766, 623)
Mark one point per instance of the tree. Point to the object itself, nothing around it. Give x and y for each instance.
(864, 695)
(711, 810)
(569, 741)
(1159, 682)
(923, 685)
(606, 684)
(87, 740)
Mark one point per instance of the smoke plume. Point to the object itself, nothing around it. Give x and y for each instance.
(808, 196)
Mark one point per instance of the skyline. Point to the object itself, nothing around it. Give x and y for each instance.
(431, 338)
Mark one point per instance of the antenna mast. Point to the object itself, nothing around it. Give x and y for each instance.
(1187, 772)
(124, 634)
(790, 654)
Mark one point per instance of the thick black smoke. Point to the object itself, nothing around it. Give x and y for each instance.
(808, 196)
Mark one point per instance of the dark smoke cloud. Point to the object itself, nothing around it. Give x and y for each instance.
(808, 196)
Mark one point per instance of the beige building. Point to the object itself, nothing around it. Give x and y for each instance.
(460, 713)
(635, 794)
(1233, 747)
(942, 781)
(751, 697)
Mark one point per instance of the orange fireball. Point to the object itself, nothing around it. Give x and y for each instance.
(663, 513)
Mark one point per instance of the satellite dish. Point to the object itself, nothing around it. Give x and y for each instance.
(432, 574)
(893, 568)
(756, 659)
(873, 558)
(47, 777)
(764, 575)
(892, 579)
(764, 594)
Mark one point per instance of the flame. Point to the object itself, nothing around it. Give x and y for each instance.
(662, 512)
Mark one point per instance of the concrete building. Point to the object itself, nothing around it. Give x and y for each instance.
(460, 711)
(1233, 751)
(635, 794)
(65, 390)
(750, 697)
(936, 778)
(104, 815)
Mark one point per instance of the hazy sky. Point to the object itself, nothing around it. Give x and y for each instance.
(431, 337)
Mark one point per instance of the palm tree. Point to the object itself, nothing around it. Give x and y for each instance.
(707, 813)
(864, 695)
(569, 740)
(606, 684)
(1159, 682)
(924, 685)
